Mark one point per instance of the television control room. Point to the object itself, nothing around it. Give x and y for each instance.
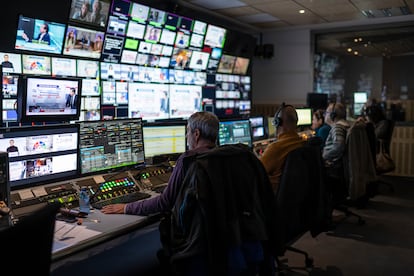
(103, 100)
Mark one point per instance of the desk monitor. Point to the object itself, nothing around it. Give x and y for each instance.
(110, 145)
(40, 154)
(233, 131)
(258, 127)
(164, 138)
(271, 129)
(304, 116)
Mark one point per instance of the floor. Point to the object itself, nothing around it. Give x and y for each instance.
(384, 245)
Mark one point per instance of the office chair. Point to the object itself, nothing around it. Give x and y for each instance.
(223, 215)
(350, 183)
(301, 201)
(31, 240)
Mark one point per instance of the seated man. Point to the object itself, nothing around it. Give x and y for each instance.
(202, 131)
(273, 158)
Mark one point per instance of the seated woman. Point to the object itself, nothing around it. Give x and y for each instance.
(319, 126)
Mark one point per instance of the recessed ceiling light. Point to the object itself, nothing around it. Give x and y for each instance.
(349, 50)
(301, 11)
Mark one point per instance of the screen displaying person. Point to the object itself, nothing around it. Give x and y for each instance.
(6, 63)
(42, 37)
(83, 13)
(72, 99)
(12, 148)
(97, 17)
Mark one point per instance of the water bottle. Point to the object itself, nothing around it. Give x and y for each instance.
(84, 206)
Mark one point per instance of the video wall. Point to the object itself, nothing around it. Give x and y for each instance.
(132, 60)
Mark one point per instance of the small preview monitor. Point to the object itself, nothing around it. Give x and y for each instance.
(36, 65)
(241, 65)
(82, 42)
(215, 36)
(317, 101)
(49, 99)
(110, 145)
(40, 154)
(234, 131)
(139, 12)
(360, 98)
(39, 35)
(90, 12)
(226, 64)
(258, 126)
(63, 67)
(11, 63)
(199, 60)
(304, 116)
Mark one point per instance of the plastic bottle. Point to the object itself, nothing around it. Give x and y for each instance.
(84, 206)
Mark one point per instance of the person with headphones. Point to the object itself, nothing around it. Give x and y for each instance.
(334, 148)
(274, 156)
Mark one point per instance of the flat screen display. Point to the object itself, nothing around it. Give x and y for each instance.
(234, 131)
(63, 67)
(82, 42)
(304, 116)
(241, 65)
(39, 35)
(50, 99)
(36, 65)
(40, 154)
(215, 36)
(90, 12)
(184, 100)
(258, 126)
(110, 145)
(164, 138)
(226, 64)
(11, 63)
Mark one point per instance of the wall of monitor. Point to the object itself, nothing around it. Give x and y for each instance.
(120, 59)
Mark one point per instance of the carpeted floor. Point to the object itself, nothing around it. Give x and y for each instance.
(384, 245)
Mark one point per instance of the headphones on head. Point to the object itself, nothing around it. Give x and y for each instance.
(332, 115)
(277, 120)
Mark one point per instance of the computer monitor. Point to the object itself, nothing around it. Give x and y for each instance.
(258, 127)
(164, 139)
(110, 145)
(40, 154)
(360, 98)
(304, 116)
(271, 129)
(234, 131)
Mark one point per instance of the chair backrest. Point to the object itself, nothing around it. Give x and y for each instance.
(358, 162)
(301, 200)
(225, 200)
(31, 240)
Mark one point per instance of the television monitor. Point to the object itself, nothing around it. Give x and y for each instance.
(40, 154)
(108, 92)
(156, 17)
(199, 27)
(139, 12)
(304, 116)
(116, 25)
(91, 103)
(182, 40)
(258, 126)
(39, 35)
(37, 65)
(171, 21)
(215, 36)
(121, 7)
(181, 58)
(135, 30)
(186, 24)
(10, 86)
(90, 87)
(360, 99)
(241, 65)
(196, 40)
(63, 67)
(129, 56)
(110, 71)
(49, 99)
(110, 145)
(149, 101)
(184, 100)
(167, 37)
(11, 63)
(199, 60)
(131, 44)
(90, 12)
(82, 42)
(226, 64)
(234, 131)
(88, 68)
(164, 138)
(112, 48)
(152, 34)
(317, 101)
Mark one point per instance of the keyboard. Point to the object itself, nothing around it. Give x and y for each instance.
(127, 198)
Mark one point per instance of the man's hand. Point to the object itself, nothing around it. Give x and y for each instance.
(114, 208)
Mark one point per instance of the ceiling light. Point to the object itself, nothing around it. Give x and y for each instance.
(355, 39)
(301, 11)
(349, 50)
(356, 53)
